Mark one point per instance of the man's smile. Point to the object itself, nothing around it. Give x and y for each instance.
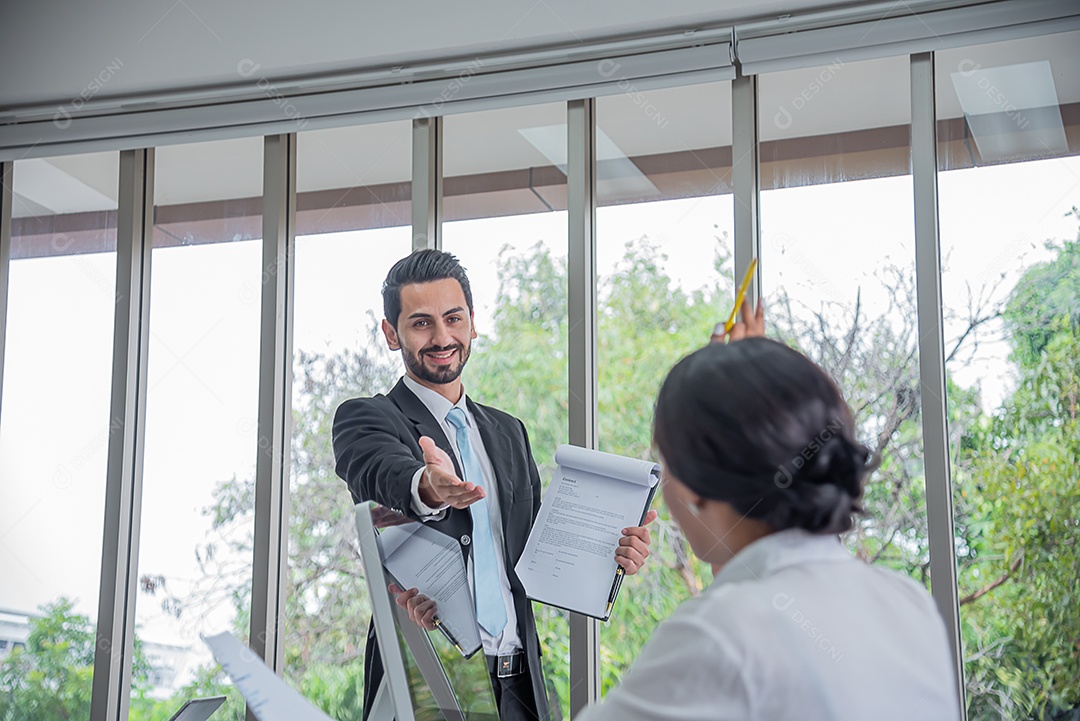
(441, 357)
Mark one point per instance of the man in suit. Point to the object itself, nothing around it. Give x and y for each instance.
(428, 451)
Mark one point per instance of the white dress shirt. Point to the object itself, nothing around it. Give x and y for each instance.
(794, 627)
(508, 640)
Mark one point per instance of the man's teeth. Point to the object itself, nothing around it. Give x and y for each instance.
(444, 354)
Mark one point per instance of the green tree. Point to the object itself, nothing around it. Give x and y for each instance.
(1018, 475)
(51, 677)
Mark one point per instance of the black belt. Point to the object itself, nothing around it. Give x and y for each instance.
(511, 664)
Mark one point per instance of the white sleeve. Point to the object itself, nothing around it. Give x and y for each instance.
(688, 671)
(426, 512)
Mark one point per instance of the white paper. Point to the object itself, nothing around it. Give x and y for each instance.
(268, 696)
(421, 557)
(569, 559)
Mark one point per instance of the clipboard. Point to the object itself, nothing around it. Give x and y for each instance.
(620, 573)
(407, 551)
(571, 547)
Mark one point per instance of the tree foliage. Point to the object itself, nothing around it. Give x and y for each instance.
(1018, 511)
(51, 677)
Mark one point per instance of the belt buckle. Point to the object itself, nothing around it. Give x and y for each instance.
(505, 668)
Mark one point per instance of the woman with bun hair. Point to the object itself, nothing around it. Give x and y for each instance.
(762, 471)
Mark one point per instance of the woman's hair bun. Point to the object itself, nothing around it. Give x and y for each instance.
(839, 461)
(824, 492)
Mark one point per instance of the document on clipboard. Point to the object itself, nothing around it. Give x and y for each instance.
(421, 557)
(569, 559)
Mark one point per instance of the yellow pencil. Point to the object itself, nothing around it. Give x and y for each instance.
(740, 295)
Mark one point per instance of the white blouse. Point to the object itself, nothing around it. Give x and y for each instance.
(794, 627)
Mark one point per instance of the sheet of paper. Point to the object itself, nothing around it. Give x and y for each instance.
(268, 696)
(569, 559)
(421, 557)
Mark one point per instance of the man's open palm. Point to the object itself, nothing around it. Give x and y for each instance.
(439, 484)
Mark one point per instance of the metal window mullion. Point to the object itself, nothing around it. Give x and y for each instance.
(270, 552)
(127, 424)
(7, 196)
(427, 182)
(582, 400)
(745, 179)
(939, 509)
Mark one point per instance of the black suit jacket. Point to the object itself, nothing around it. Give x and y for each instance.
(377, 452)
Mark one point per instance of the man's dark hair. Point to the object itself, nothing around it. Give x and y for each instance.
(759, 426)
(422, 266)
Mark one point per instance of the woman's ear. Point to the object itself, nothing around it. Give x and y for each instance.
(695, 504)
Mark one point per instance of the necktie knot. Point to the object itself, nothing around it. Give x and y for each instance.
(456, 418)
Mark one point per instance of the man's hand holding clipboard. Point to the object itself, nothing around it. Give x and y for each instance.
(591, 530)
(634, 546)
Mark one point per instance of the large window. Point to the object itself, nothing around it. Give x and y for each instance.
(838, 280)
(54, 431)
(353, 223)
(838, 270)
(505, 219)
(202, 382)
(664, 257)
(1009, 123)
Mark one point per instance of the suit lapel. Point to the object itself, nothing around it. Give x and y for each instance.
(497, 445)
(457, 524)
(425, 423)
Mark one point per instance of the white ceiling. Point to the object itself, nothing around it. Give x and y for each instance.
(60, 47)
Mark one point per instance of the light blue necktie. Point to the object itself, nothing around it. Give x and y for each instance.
(490, 610)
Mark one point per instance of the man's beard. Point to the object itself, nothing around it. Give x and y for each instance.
(414, 362)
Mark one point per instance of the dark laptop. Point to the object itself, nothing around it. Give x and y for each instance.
(198, 709)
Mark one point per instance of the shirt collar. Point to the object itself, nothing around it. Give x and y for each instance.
(435, 402)
(777, 551)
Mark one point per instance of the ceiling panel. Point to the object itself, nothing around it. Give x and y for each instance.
(70, 51)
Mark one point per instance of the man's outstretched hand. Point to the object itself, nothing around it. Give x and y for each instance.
(421, 609)
(634, 546)
(439, 484)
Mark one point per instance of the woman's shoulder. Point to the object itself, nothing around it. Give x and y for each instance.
(745, 609)
(904, 587)
(711, 623)
(728, 616)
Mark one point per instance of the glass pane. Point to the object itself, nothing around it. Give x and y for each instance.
(1009, 147)
(664, 257)
(201, 410)
(505, 211)
(353, 224)
(54, 431)
(838, 270)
